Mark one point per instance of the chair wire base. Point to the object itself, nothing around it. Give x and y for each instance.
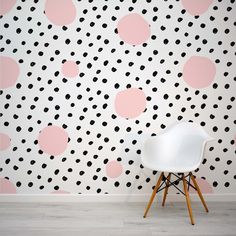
(169, 183)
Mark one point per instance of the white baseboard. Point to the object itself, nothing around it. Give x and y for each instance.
(109, 197)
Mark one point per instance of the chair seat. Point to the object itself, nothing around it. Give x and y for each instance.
(174, 167)
(177, 149)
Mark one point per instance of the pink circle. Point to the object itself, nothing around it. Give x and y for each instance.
(6, 186)
(70, 69)
(9, 72)
(6, 6)
(196, 7)
(60, 12)
(133, 29)
(5, 141)
(130, 103)
(53, 140)
(199, 72)
(204, 186)
(114, 169)
(60, 192)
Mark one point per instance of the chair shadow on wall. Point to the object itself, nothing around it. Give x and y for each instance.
(133, 160)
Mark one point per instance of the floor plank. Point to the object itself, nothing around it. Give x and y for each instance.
(115, 219)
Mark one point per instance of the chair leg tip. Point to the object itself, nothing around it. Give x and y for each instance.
(192, 222)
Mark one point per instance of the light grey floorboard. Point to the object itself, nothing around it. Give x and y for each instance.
(115, 219)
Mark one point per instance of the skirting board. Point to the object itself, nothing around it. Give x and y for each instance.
(109, 197)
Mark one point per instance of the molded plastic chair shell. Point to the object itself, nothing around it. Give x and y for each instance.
(179, 148)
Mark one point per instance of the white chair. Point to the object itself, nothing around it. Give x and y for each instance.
(178, 149)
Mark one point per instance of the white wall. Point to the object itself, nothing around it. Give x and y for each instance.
(21, 162)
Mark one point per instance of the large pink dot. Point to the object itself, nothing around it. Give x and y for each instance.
(114, 169)
(70, 69)
(6, 6)
(5, 141)
(199, 72)
(130, 103)
(60, 12)
(196, 7)
(9, 72)
(53, 140)
(6, 186)
(204, 186)
(133, 29)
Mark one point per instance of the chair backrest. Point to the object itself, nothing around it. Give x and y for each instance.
(180, 142)
(188, 138)
(187, 128)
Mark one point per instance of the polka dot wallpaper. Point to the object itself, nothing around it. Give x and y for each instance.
(84, 82)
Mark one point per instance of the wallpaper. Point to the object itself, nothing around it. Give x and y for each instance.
(84, 83)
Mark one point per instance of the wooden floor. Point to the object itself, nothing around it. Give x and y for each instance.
(106, 219)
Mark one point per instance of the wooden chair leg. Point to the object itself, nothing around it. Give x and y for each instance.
(188, 200)
(153, 194)
(199, 192)
(166, 190)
